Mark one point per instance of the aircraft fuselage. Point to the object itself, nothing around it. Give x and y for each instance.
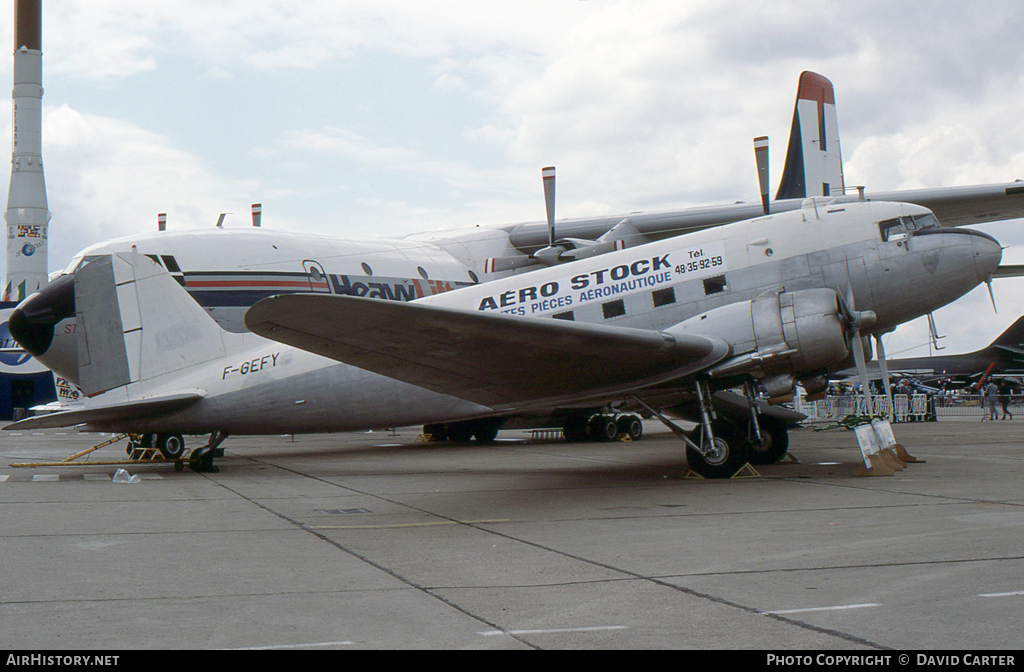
(654, 287)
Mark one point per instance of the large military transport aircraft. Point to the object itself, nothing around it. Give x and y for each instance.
(228, 270)
(656, 328)
(1004, 357)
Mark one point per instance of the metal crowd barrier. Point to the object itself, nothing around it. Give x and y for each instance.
(905, 407)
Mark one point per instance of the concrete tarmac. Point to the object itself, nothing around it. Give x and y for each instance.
(380, 541)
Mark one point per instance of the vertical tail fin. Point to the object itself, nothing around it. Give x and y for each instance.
(1013, 336)
(814, 163)
(135, 322)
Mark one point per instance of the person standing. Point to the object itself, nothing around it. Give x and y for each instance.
(1004, 398)
(991, 397)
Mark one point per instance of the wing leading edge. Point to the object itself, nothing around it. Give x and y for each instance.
(500, 361)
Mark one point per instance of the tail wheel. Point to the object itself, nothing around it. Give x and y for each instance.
(631, 425)
(171, 446)
(725, 455)
(774, 444)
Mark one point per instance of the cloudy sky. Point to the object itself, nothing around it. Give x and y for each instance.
(396, 116)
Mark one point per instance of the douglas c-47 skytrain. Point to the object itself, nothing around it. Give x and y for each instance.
(655, 328)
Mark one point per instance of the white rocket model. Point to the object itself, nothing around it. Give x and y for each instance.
(27, 214)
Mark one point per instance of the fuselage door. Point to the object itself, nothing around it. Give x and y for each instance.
(318, 280)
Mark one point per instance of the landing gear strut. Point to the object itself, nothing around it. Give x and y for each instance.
(715, 448)
(766, 436)
(201, 459)
(722, 453)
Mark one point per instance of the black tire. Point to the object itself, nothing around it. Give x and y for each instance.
(574, 429)
(631, 425)
(603, 428)
(775, 441)
(171, 446)
(731, 452)
(460, 432)
(486, 429)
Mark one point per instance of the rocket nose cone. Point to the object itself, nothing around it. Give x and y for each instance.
(33, 321)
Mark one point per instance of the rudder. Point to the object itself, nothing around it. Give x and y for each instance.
(814, 162)
(135, 322)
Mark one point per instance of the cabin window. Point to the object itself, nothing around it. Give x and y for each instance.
(567, 315)
(715, 285)
(367, 269)
(474, 278)
(613, 309)
(422, 272)
(664, 297)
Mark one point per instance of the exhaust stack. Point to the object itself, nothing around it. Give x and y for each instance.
(27, 215)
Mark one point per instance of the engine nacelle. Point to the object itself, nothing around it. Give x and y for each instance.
(775, 336)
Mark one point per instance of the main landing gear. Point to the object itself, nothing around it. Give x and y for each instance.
(484, 430)
(602, 427)
(720, 446)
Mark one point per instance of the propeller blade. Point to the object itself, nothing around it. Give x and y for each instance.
(761, 158)
(548, 176)
(862, 370)
(988, 282)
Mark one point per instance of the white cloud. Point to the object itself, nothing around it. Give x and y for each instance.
(107, 178)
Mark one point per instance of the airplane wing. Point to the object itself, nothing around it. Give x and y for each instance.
(134, 409)
(492, 359)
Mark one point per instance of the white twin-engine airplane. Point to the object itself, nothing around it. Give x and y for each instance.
(656, 328)
(227, 270)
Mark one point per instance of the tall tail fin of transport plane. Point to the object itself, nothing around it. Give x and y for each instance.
(1013, 336)
(814, 163)
(136, 323)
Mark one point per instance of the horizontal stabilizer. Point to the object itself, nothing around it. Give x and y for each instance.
(497, 360)
(130, 410)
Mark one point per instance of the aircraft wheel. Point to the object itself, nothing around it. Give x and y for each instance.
(631, 425)
(171, 446)
(574, 429)
(486, 429)
(603, 428)
(727, 456)
(460, 432)
(776, 442)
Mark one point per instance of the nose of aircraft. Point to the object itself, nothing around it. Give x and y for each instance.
(33, 321)
(987, 254)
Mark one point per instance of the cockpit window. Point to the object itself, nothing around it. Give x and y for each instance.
(897, 228)
(890, 228)
(928, 221)
(76, 263)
